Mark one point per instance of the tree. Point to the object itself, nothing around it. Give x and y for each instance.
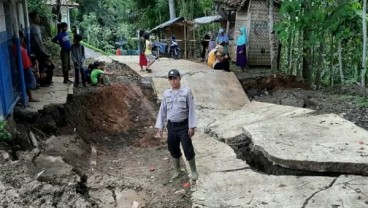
(364, 58)
(172, 9)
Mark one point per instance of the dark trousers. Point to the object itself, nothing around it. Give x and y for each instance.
(65, 64)
(48, 79)
(224, 65)
(45, 66)
(79, 70)
(177, 135)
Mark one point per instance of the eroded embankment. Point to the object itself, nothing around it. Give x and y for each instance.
(103, 154)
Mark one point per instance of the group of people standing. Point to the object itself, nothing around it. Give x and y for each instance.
(218, 51)
(95, 74)
(39, 69)
(146, 58)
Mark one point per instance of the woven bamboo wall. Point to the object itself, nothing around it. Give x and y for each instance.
(259, 44)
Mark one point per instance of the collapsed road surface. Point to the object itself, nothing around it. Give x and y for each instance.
(249, 154)
(253, 154)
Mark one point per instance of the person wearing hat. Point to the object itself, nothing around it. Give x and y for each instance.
(177, 108)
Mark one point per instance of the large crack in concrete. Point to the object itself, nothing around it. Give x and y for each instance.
(259, 160)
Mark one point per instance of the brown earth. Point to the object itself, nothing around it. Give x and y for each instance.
(106, 155)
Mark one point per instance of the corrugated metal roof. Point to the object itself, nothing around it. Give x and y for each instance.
(168, 23)
(207, 19)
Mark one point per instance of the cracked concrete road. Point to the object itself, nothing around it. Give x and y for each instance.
(289, 137)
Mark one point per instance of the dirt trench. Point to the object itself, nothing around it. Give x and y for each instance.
(98, 150)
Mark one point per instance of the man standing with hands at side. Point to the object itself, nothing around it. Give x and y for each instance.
(177, 107)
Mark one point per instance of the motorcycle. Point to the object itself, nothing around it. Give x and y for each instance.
(175, 51)
(163, 49)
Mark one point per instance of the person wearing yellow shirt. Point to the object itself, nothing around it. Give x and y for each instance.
(212, 55)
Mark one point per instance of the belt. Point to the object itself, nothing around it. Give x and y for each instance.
(176, 124)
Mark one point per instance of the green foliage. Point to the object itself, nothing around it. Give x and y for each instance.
(40, 7)
(358, 101)
(94, 48)
(320, 26)
(4, 134)
(104, 22)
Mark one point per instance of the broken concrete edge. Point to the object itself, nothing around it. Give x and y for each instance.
(244, 140)
(330, 168)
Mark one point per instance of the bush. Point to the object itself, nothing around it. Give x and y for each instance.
(4, 134)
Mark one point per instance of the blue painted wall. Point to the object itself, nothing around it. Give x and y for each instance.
(9, 81)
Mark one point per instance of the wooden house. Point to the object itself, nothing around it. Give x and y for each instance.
(181, 28)
(258, 16)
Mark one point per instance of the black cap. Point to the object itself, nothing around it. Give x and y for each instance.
(173, 73)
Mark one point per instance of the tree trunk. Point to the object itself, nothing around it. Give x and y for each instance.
(271, 35)
(172, 9)
(340, 62)
(317, 80)
(58, 10)
(332, 61)
(307, 69)
(298, 63)
(364, 59)
(289, 46)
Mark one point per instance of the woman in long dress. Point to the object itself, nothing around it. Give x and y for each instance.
(142, 48)
(241, 43)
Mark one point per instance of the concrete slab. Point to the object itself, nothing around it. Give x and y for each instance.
(293, 138)
(223, 89)
(57, 93)
(215, 156)
(354, 194)
(162, 66)
(225, 112)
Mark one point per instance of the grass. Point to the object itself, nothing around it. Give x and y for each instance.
(95, 49)
(358, 101)
(4, 134)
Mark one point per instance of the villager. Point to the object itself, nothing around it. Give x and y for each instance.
(205, 41)
(99, 75)
(78, 57)
(212, 43)
(212, 55)
(178, 109)
(63, 40)
(241, 43)
(223, 39)
(148, 52)
(142, 48)
(39, 50)
(222, 61)
(29, 77)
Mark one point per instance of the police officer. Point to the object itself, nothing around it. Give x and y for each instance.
(177, 107)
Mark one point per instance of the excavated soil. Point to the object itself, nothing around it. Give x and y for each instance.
(105, 153)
